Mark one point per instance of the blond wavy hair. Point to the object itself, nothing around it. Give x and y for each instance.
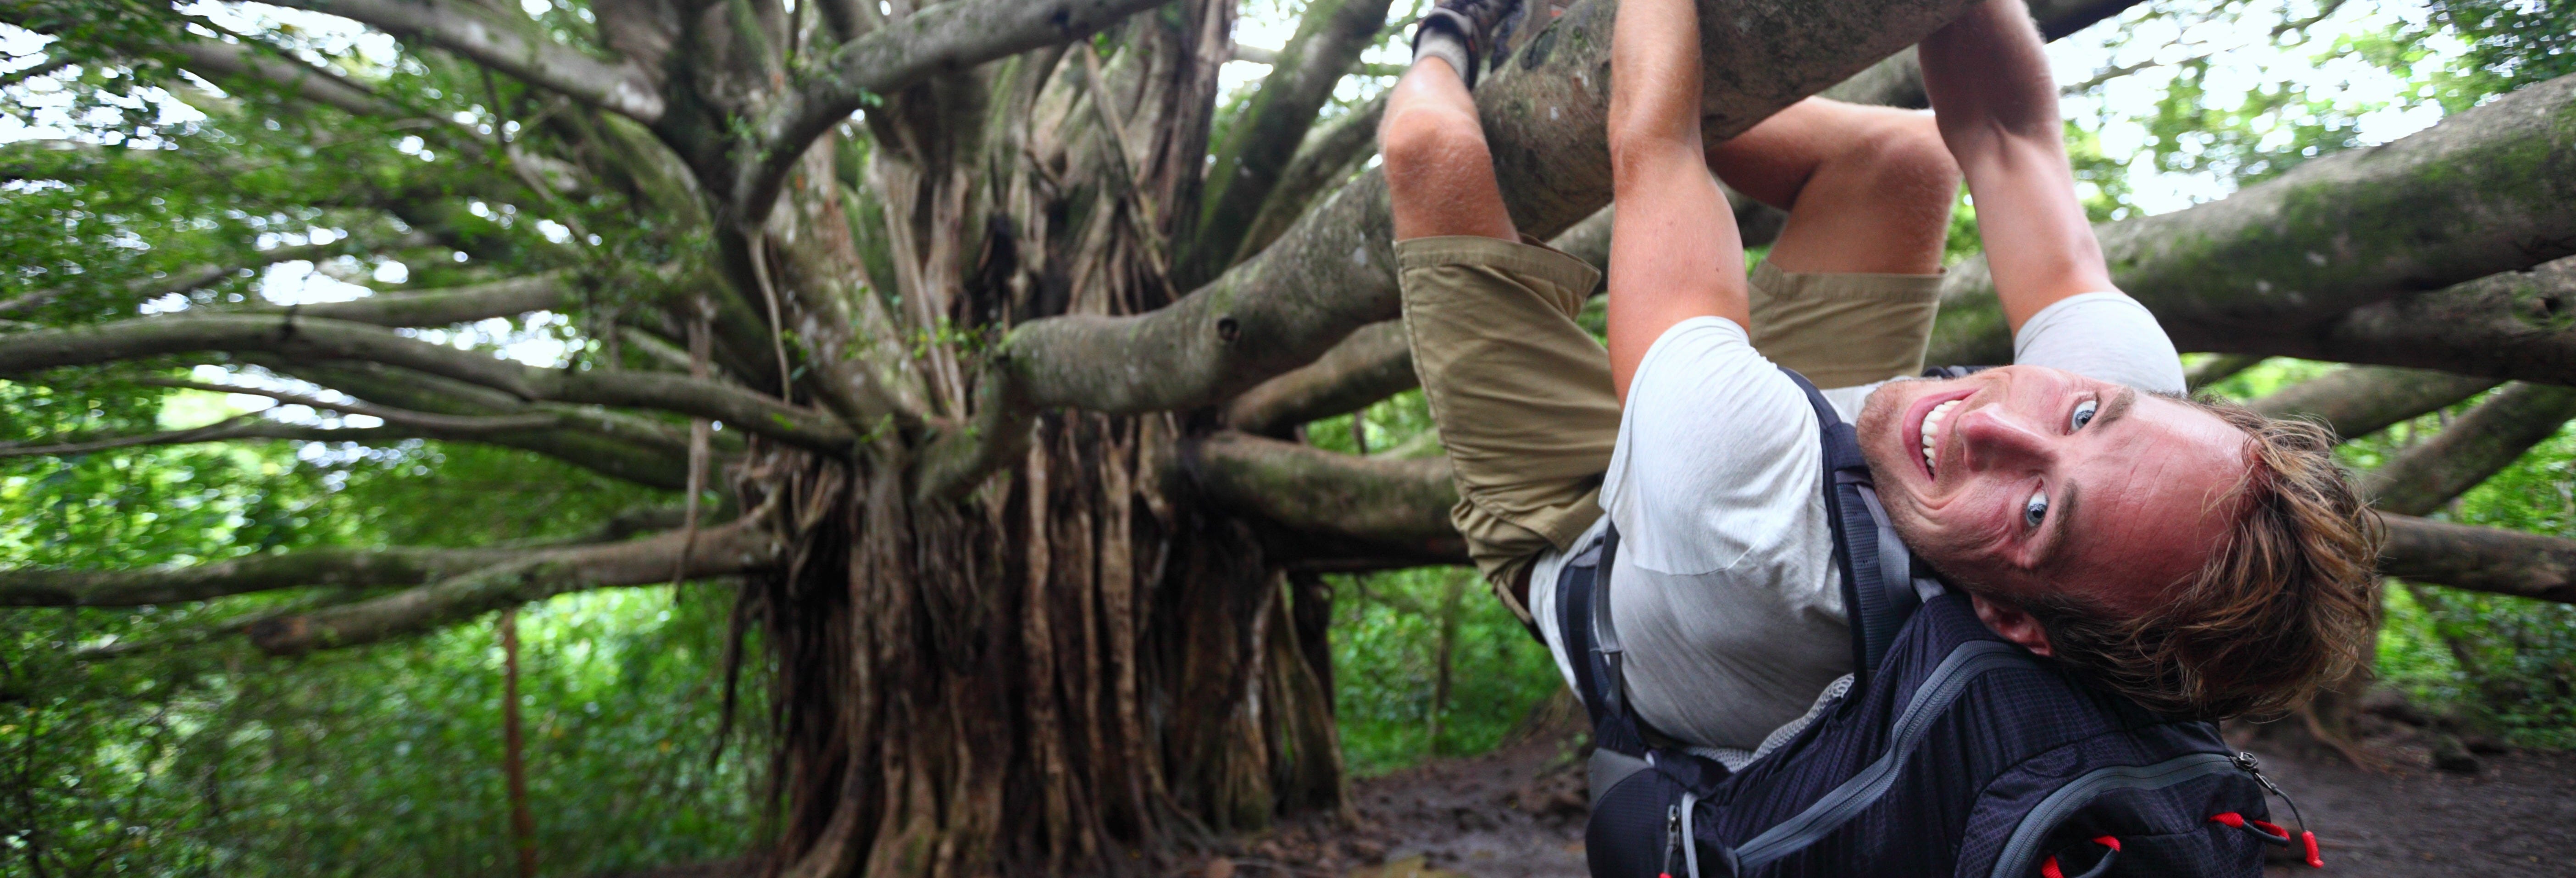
(2287, 603)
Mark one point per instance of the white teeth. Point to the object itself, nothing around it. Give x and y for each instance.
(1932, 430)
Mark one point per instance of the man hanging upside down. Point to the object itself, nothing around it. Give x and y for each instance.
(2192, 555)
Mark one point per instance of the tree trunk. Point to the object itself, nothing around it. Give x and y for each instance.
(514, 750)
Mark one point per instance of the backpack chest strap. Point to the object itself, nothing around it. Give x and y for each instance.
(1881, 587)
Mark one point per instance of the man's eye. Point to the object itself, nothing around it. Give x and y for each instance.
(2083, 415)
(2035, 510)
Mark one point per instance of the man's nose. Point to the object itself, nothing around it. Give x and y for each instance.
(1998, 440)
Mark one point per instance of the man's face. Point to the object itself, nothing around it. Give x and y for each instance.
(2046, 482)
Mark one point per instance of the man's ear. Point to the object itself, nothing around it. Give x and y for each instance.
(2011, 623)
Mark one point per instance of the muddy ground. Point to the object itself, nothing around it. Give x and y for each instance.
(1518, 813)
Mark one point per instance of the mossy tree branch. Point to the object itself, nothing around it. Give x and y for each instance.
(2488, 190)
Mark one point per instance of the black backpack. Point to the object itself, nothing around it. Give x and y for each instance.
(1953, 753)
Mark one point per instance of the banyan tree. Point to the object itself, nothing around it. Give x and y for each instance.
(974, 340)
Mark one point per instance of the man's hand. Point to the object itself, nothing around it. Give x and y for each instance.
(1997, 108)
(1674, 253)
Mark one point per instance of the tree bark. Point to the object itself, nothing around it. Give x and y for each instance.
(2481, 443)
(2488, 190)
(1271, 126)
(1543, 114)
(744, 546)
(2491, 560)
(1375, 362)
(514, 750)
(2360, 400)
(2517, 326)
(2219, 368)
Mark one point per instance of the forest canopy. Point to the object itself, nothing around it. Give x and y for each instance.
(973, 435)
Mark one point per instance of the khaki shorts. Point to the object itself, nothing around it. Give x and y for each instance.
(1522, 394)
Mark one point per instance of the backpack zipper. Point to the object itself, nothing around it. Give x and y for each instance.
(2021, 850)
(1672, 838)
(2246, 762)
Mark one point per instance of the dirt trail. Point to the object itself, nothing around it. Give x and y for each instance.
(1518, 813)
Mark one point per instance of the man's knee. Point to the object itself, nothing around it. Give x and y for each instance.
(1431, 140)
(1904, 155)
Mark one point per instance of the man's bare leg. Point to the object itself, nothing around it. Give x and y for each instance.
(1521, 393)
(1868, 189)
(1439, 177)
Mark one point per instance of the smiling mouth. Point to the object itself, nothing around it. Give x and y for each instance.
(1931, 432)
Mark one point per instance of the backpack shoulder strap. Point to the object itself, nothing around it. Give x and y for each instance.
(1879, 588)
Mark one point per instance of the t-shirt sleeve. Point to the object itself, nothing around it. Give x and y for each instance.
(2102, 335)
(1717, 453)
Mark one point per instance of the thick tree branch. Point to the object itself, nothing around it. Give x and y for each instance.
(1374, 363)
(2482, 442)
(1271, 126)
(2360, 400)
(2488, 190)
(337, 568)
(1898, 80)
(295, 337)
(1391, 502)
(2488, 559)
(623, 89)
(741, 547)
(956, 35)
(590, 449)
(184, 280)
(1543, 113)
(619, 444)
(404, 417)
(1327, 157)
(2513, 325)
(220, 62)
(439, 307)
(2219, 368)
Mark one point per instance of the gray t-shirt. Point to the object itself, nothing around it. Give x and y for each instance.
(1727, 598)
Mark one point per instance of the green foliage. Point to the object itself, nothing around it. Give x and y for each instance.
(380, 761)
(1386, 648)
(2513, 43)
(377, 761)
(2504, 662)
(2513, 660)
(2272, 128)
(1386, 634)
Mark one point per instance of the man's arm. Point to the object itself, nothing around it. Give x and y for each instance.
(1997, 108)
(1675, 253)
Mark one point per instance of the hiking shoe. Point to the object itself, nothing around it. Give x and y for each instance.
(1482, 25)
